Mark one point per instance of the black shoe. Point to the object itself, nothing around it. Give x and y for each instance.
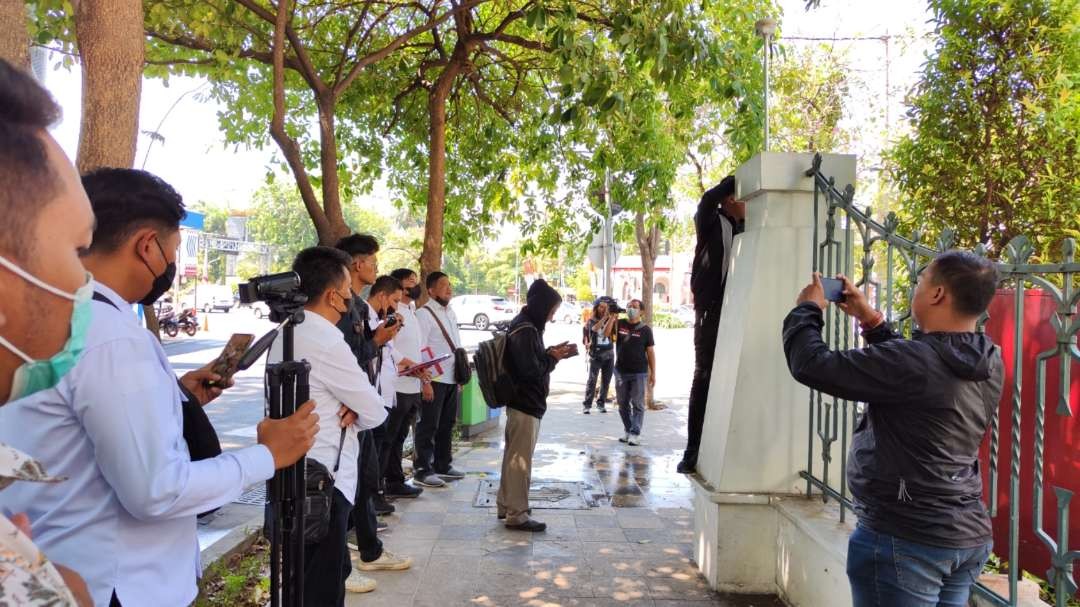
(403, 490)
(451, 475)
(381, 506)
(686, 466)
(530, 525)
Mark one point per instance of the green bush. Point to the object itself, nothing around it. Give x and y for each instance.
(665, 320)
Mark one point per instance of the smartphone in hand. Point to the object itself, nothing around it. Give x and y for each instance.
(834, 289)
(227, 363)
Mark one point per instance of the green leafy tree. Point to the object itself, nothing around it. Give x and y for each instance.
(994, 151)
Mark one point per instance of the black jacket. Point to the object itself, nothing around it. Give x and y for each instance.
(706, 274)
(529, 363)
(914, 463)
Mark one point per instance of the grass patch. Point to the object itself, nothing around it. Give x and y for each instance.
(241, 580)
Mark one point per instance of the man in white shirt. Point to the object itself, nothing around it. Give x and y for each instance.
(113, 425)
(341, 391)
(434, 431)
(409, 390)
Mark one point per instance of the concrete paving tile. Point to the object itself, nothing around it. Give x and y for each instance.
(464, 532)
(557, 548)
(640, 521)
(468, 518)
(695, 588)
(605, 550)
(595, 521)
(565, 565)
(412, 517)
(458, 548)
(379, 598)
(654, 549)
(601, 535)
(630, 565)
(650, 535)
(418, 532)
(425, 503)
(631, 590)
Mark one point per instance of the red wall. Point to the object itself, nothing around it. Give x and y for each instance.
(1062, 434)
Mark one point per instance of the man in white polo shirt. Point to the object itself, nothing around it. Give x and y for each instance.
(434, 432)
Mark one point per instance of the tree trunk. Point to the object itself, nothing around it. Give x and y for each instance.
(648, 239)
(431, 257)
(111, 46)
(14, 37)
(331, 187)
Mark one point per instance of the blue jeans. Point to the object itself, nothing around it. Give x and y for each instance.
(630, 392)
(886, 571)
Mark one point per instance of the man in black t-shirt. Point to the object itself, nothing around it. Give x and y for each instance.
(635, 364)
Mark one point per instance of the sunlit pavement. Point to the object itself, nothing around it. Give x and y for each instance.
(634, 547)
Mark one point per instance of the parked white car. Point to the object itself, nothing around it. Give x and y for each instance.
(481, 311)
(568, 313)
(210, 298)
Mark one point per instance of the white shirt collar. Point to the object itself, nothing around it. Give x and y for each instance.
(113, 296)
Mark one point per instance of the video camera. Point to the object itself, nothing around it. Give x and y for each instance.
(281, 292)
(613, 306)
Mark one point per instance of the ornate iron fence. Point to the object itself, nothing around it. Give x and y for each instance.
(851, 235)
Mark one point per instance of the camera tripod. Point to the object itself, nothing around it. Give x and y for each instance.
(286, 389)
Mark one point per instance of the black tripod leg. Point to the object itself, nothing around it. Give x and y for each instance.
(275, 490)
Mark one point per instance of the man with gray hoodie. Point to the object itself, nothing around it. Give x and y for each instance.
(923, 533)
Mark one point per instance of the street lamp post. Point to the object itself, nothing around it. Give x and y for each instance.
(766, 28)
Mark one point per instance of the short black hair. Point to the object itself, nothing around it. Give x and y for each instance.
(402, 273)
(126, 200)
(358, 244)
(320, 268)
(970, 279)
(27, 181)
(721, 191)
(433, 278)
(386, 284)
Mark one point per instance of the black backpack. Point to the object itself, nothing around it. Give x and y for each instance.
(491, 371)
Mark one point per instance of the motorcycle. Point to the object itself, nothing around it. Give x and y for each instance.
(186, 322)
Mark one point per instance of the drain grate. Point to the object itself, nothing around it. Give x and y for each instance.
(256, 496)
(543, 495)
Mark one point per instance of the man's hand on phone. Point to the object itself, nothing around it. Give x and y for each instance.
(197, 382)
(290, 438)
(813, 292)
(384, 333)
(855, 303)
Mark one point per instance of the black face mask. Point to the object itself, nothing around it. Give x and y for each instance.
(413, 292)
(162, 282)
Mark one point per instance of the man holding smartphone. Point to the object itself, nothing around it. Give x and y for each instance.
(599, 343)
(913, 468)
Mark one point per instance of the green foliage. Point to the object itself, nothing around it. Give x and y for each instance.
(665, 320)
(808, 92)
(994, 150)
(582, 284)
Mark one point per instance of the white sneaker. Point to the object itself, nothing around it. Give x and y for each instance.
(387, 562)
(625, 438)
(359, 584)
(633, 440)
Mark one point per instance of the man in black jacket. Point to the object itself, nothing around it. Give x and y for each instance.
(530, 366)
(923, 533)
(718, 219)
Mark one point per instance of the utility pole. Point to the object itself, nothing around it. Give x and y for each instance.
(609, 244)
(766, 28)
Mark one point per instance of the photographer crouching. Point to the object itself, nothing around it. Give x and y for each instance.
(923, 533)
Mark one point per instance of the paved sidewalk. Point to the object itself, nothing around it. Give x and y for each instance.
(633, 548)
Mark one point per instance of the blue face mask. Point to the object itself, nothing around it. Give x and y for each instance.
(37, 375)
(633, 313)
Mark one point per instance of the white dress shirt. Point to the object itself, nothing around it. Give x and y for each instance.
(125, 519)
(407, 342)
(432, 336)
(336, 379)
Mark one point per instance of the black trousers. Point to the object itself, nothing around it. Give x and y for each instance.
(397, 430)
(362, 517)
(601, 365)
(435, 430)
(327, 564)
(705, 333)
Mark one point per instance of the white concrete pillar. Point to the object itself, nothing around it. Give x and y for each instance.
(755, 436)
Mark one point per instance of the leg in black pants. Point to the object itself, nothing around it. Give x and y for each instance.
(363, 513)
(607, 367)
(448, 395)
(434, 431)
(705, 333)
(397, 430)
(326, 564)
